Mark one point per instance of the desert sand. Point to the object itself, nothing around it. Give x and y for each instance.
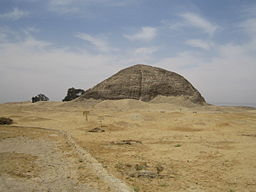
(154, 146)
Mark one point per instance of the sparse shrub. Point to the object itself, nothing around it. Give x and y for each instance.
(5, 121)
(136, 189)
(73, 93)
(139, 167)
(164, 185)
(159, 168)
(39, 97)
(177, 145)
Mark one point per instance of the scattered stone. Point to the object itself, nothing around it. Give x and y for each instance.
(123, 166)
(138, 167)
(97, 130)
(159, 168)
(5, 121)
(126, 142)
(142, 170)
(144, 174)
(249, 135)
(141, 166)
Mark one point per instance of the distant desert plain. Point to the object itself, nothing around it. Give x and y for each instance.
(127, 145)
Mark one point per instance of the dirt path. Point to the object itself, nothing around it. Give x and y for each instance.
(37, 159)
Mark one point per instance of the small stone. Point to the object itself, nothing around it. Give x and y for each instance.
(96, 130)
(159, 168)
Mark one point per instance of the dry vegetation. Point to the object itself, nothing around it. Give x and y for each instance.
(150, 146)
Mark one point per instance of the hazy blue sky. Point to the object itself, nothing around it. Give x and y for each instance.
(49, 46)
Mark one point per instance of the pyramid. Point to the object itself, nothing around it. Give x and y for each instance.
(143, 82)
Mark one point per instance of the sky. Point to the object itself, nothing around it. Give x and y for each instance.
(52, 45)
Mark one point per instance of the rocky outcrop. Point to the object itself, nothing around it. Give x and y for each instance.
(73, 94)
(143, 82)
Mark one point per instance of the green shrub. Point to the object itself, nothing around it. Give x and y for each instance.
(136, 189)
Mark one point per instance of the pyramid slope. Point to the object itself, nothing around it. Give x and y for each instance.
(143, 82)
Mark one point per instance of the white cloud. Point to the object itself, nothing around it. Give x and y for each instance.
(9, 35)
(145, 34)
(30, 30)
(64, 6)
(15, 14)
(199, 43)
(6, 33)
(76, 6)
(97, 42)
(250, 11)
(33, 43)
(41, 67)
(249, 26)
(199, 22)
(38, 66)
(2, 36)
(182, 60)
(228, 76)
(141, 55)
(176, 26)
(145, 50)
(62, 2)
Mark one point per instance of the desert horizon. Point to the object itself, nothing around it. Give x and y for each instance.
(245, 104)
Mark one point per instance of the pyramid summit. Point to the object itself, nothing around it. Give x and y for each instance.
(143, 82)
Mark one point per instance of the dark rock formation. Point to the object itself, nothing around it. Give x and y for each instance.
(5, 121)
(39, 97)
(97, 130)
(73, 93)
(126, 142)
(143, 82)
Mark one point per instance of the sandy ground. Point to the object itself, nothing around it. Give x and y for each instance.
(149, 146)
(40, 160)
